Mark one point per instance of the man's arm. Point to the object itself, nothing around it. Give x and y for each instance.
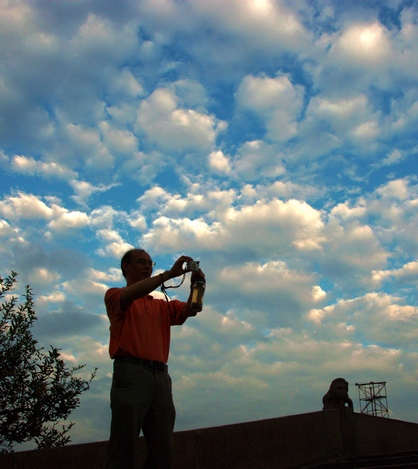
(148, 285)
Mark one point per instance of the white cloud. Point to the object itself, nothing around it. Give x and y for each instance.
(126, 84)
(174, 128)
(273, 228)
(260, 25)
(226, 36)
(213, 202)
(257, 158)
(407, 46)
(86, 286)
(353, 246)
(26, 206)
(344, 212)
(6, 231)
(357, 54)
(281, 224)
(153, 198)
(66, 221)
(61, 221)
(106, 217)
(394, 157)
(119, 141)
(395, 190)
(407, 273)
(144, 167)
(83, 190)
(280, 288)
(276, 100)
(45, 276)
(98, 40)
(364, 45)
(218, 162)
(112, 243)
(341, 115)
(56, 297)
(87, 148)
(25, 165)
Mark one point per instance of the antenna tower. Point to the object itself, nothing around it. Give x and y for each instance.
(372, 398)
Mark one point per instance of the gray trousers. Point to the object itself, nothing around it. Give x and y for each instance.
(141, 399)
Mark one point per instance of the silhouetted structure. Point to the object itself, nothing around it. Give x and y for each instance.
(337, 395)
(373, 399)
(290, 442)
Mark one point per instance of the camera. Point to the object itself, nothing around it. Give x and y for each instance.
(193, 265)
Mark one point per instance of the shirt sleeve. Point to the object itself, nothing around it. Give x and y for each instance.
(113, 309)
(176, 308)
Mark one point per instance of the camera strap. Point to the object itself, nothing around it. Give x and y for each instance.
(164, 288)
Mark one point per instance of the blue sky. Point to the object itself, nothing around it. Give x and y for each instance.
(274, 141)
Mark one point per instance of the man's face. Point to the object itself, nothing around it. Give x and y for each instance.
(139, 267)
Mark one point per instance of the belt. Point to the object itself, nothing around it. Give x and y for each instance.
(143, 362)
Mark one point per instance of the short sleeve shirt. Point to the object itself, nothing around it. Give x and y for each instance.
(143, 330)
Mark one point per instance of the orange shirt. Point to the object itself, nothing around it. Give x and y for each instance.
(143, 330)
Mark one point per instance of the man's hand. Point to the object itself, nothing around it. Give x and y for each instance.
(199, 275)
(178, 266)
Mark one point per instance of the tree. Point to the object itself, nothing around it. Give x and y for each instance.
(37, 391)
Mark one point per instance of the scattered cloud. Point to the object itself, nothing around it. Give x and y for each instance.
(273, 141)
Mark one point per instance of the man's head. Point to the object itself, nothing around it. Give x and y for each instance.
(136, 264)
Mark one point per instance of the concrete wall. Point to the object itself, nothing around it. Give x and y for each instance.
(280, 443)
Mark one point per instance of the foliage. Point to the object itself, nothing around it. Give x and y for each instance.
(37, 391)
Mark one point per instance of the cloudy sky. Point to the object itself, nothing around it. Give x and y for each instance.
(273, 140)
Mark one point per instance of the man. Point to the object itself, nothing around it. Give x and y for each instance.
(141, 397)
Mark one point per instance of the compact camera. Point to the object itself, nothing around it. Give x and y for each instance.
(193, 265)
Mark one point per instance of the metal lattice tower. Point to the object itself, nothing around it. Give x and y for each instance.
(372, 399)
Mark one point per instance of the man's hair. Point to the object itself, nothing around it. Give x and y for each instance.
(127, 257)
